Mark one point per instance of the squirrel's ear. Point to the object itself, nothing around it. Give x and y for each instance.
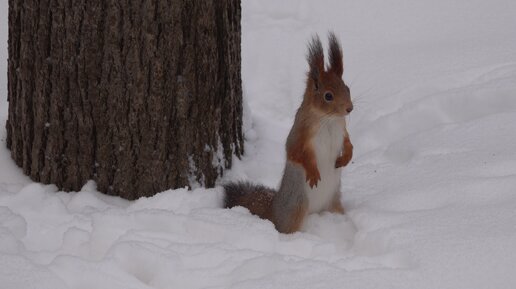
(315, 59)
(335, 55)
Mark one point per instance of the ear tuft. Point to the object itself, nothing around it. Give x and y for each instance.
(335, 55)
(315, 58)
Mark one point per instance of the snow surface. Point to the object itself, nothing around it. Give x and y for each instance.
(430, 195)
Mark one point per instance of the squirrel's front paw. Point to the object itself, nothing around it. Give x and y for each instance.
(342, 161)
(313, 178)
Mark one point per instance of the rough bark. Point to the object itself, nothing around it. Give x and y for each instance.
(138, 95)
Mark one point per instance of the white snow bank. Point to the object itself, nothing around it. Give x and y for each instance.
(429, 196)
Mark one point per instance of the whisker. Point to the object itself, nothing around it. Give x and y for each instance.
(363, 93)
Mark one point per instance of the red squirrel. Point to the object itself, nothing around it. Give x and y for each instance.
(317, 147)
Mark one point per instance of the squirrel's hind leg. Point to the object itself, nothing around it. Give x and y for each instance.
(292, 220)
(336, 205)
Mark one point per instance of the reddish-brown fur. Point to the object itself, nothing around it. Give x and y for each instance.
(313, 98)
(314, 108)
(301, 150)
(347, 153)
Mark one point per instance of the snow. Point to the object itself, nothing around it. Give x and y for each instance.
(430, 196)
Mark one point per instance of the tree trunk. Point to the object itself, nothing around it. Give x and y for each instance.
(138, 95)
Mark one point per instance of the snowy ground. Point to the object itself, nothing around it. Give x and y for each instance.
(430, 196)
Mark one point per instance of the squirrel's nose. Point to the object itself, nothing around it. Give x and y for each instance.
(349, 109)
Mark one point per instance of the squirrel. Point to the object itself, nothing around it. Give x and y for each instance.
(317, 146)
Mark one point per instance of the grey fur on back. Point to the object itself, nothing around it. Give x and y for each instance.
(290, 196)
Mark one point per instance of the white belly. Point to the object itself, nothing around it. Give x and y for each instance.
(328, 146)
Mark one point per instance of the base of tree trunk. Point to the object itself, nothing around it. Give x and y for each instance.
(140, 96)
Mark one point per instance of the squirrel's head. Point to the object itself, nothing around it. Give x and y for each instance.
(325, 89)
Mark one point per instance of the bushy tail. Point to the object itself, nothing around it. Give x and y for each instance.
(256, 198)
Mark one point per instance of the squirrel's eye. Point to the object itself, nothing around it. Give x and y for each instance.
(328, 96)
